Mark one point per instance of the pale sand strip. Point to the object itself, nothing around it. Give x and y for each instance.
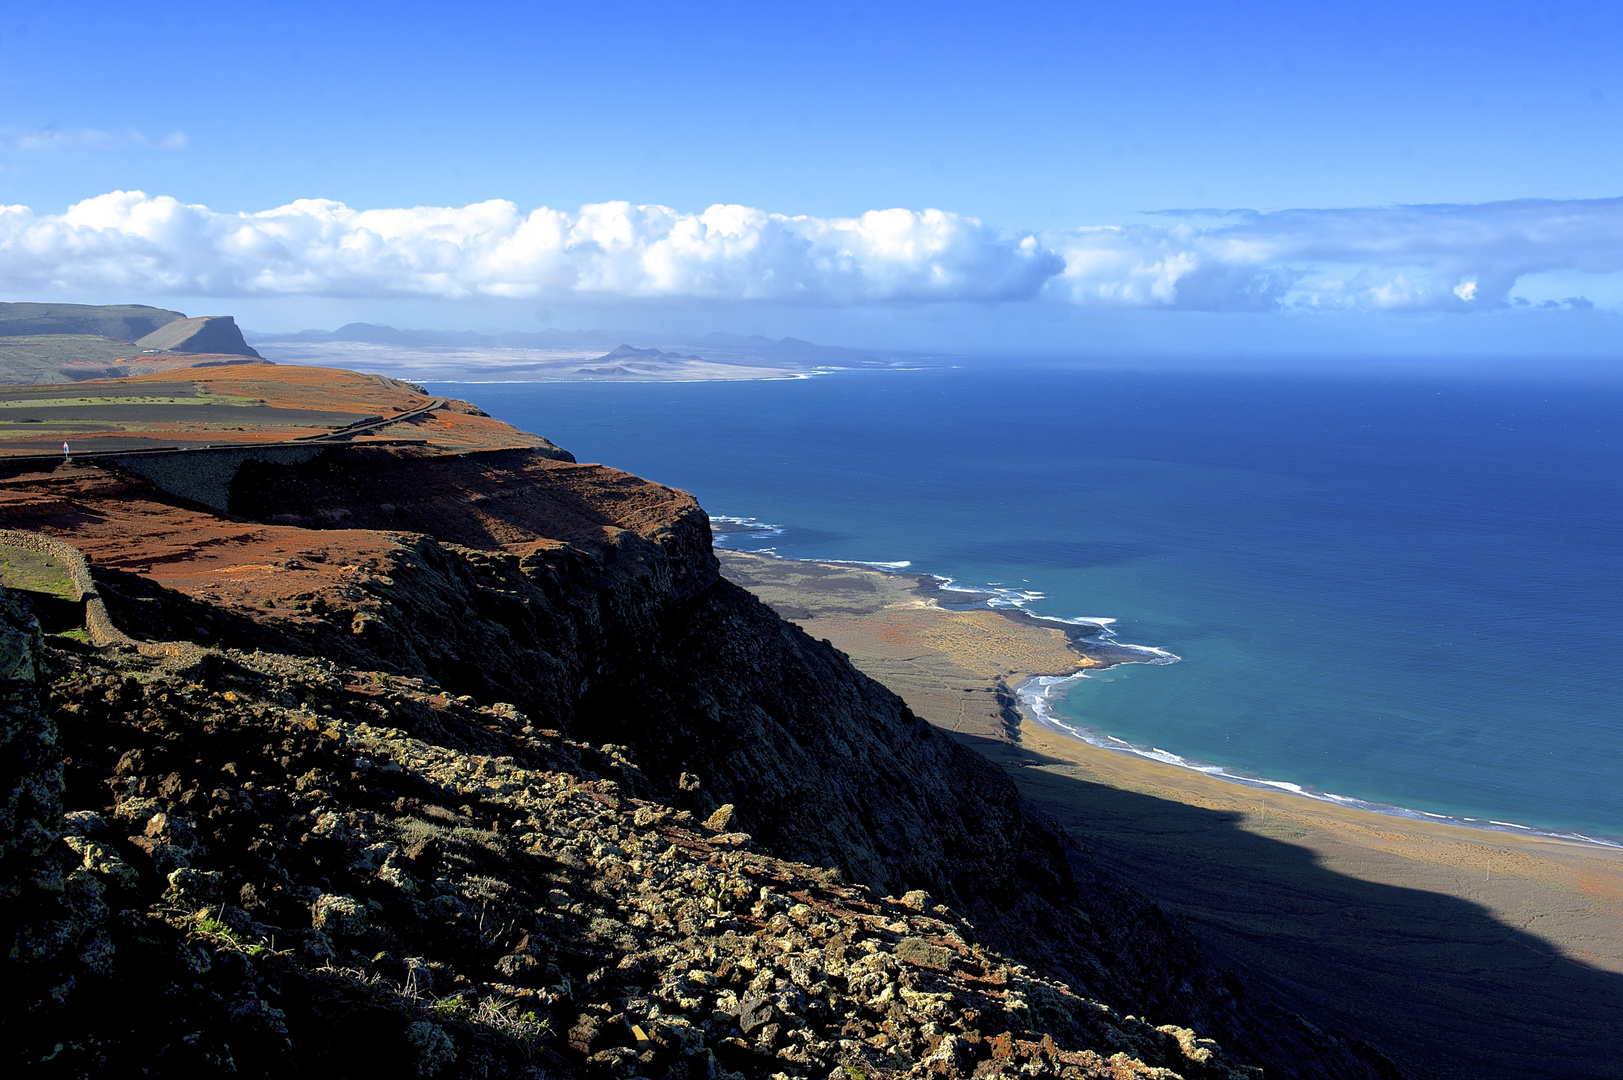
(1463, 953)
(1567, 893)
(955, 669)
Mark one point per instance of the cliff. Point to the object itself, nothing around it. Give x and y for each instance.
(469, 763)
(214, 334)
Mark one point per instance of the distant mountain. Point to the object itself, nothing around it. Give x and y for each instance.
(722, 347)
(375, 334)
(789, 350)
(631, 352)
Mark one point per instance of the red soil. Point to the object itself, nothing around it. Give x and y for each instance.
(456, 426)
(313, 533)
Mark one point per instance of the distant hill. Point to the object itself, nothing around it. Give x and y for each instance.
(208, 334)
(56, 343)
(631, 352)
(720, 347)
(788, 350)
(375, 334)
(118, 322)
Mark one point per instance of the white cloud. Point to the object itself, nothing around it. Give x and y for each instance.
(58, 139)
(135, 242)
(1384, 258)
(1396, 258)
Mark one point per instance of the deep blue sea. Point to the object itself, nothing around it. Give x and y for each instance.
(1401, 591)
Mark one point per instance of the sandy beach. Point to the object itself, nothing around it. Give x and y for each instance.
(1411, 933)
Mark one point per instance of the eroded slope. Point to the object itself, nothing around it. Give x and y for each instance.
(586, 602)
(280, 865)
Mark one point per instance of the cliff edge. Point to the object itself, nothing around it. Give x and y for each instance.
(466, 761)
(216, 334)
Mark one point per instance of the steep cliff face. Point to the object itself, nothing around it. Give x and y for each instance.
(215, 334)
(588, 602)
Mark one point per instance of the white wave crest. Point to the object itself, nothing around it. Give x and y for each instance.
(1037, 695)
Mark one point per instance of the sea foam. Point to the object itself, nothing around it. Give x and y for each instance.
(1037, 694)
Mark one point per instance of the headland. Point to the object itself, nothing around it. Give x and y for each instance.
(358, 732)
(354, 729)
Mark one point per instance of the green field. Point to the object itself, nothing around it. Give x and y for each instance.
(36, 572)
(202, 398)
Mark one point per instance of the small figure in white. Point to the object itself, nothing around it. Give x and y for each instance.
(64, 450)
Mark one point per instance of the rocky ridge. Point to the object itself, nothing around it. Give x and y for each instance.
(366, 699)
(353, 871)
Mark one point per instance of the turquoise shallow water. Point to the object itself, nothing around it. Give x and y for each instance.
(1404, 592)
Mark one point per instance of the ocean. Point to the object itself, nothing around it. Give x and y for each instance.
(1401, 592)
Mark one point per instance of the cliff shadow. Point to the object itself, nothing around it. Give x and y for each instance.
(1437, 983)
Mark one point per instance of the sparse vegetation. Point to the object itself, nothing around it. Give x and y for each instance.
(40, 358)
(37, 572)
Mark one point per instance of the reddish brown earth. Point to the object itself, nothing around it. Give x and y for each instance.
(261, 569)
(266, 403)
(480, 565)
(148, 363)
(476, 482)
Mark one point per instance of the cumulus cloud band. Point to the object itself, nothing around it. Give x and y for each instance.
(1419, 257)
(129, 240)
(1461, 257)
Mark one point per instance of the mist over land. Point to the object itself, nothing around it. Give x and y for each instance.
(550, 355)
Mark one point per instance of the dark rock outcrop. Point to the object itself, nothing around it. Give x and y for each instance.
(52, 910)
(359, 825)
(217, 334)
(344, 873)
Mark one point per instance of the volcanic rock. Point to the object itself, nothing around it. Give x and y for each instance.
(466, 841)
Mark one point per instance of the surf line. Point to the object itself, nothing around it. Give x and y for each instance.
(1036, 694)
(1091, 637)
(1095, 638)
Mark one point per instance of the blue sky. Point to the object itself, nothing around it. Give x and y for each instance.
(1238, 177)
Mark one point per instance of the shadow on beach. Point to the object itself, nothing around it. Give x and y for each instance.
(1435, 982)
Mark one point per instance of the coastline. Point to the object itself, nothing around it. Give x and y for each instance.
(955, 667)
(1034, 691)
(1092, 640)
(957, 670)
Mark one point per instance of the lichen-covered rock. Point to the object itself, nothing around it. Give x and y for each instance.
(339, 916)
(920, 952)
(103, 861)
(401, 855)
(51, 907)
(434, 1047)
(194, 888)
(555, 917)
